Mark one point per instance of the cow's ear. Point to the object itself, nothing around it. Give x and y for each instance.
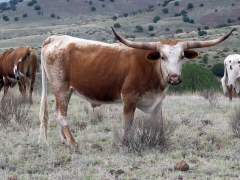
(190, 54)
(152, 56)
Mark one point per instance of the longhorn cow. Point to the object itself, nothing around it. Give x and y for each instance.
(136, 74)
(232, 68)
(18, 66)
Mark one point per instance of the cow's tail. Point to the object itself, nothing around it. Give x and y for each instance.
(43, 114)
(223, 80)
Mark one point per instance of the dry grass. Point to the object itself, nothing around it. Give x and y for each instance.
(202, 138)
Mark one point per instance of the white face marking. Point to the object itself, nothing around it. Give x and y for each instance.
(172, 59)
(233, 68)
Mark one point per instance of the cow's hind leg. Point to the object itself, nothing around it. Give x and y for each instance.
(61, 106)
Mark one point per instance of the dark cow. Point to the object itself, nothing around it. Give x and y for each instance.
(18, 66)
(135, 74)
(232, 68)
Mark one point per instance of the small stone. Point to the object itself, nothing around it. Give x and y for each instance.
(182, 166)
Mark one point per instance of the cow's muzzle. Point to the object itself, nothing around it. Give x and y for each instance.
(174, 79)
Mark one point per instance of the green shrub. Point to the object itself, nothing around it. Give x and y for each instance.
(201, 5)
(156, 19)
(30, 3)
(125, 14)
(191, 21)
(152, 34)
(201, 33)
(176, 3)
(165, 10)
(196, 78)
(167, 29)
(114, 18)
(117, 25)
(205, 58)
(111, 0)
(24, 15)
(150, 28)
(205, 27)
(218, 69)
(5, 18)
(186, 19)
(93, 8)
(189, 6)
(37, 7)
(139, 28)
(34, 1)
(52, 15)
(90, 2)
(221, 25)
(179, 31)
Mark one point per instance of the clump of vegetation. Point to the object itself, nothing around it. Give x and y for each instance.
(150, 133)
(179, 31)
(156, 19)
(116, 25)
(14, 110)
(150, 28)
(235, 121)
(218, 69)
(93, 8)
(211, 96)
(139, 28)
(202, 33)
(196, 78)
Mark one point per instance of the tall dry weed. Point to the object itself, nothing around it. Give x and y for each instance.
(14, 110)
(235, 121)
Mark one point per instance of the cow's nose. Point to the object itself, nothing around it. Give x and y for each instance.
(174, 79)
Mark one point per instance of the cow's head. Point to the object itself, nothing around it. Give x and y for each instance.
(171, 53)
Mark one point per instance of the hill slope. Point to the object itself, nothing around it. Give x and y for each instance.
(75, 18)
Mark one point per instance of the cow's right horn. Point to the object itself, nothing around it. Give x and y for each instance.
(138, 45)
(200, 44)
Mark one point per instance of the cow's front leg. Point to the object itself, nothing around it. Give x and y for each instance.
(129, 108)
(229, 88)
(156, 115)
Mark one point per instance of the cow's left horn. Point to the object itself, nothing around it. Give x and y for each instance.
(200, 44)
(138, 45)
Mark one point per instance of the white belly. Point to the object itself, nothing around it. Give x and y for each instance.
(150, 100)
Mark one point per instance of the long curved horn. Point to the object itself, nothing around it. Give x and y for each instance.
(138, 45)
(200, 44)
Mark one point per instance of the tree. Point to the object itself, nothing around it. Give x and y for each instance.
(156, 19)
(218, 69)
(30, 3)
(205, 27)
(150, 28)
(116, 25)
(191, 21)
(189, 6)
(186, 19)
(179, 31)
(165, 10)
(205, 58)
(139, 28)
(52, 15)
(37, 7)
(202, 33)
(176, 3)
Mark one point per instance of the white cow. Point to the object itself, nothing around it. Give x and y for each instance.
(232, 67)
